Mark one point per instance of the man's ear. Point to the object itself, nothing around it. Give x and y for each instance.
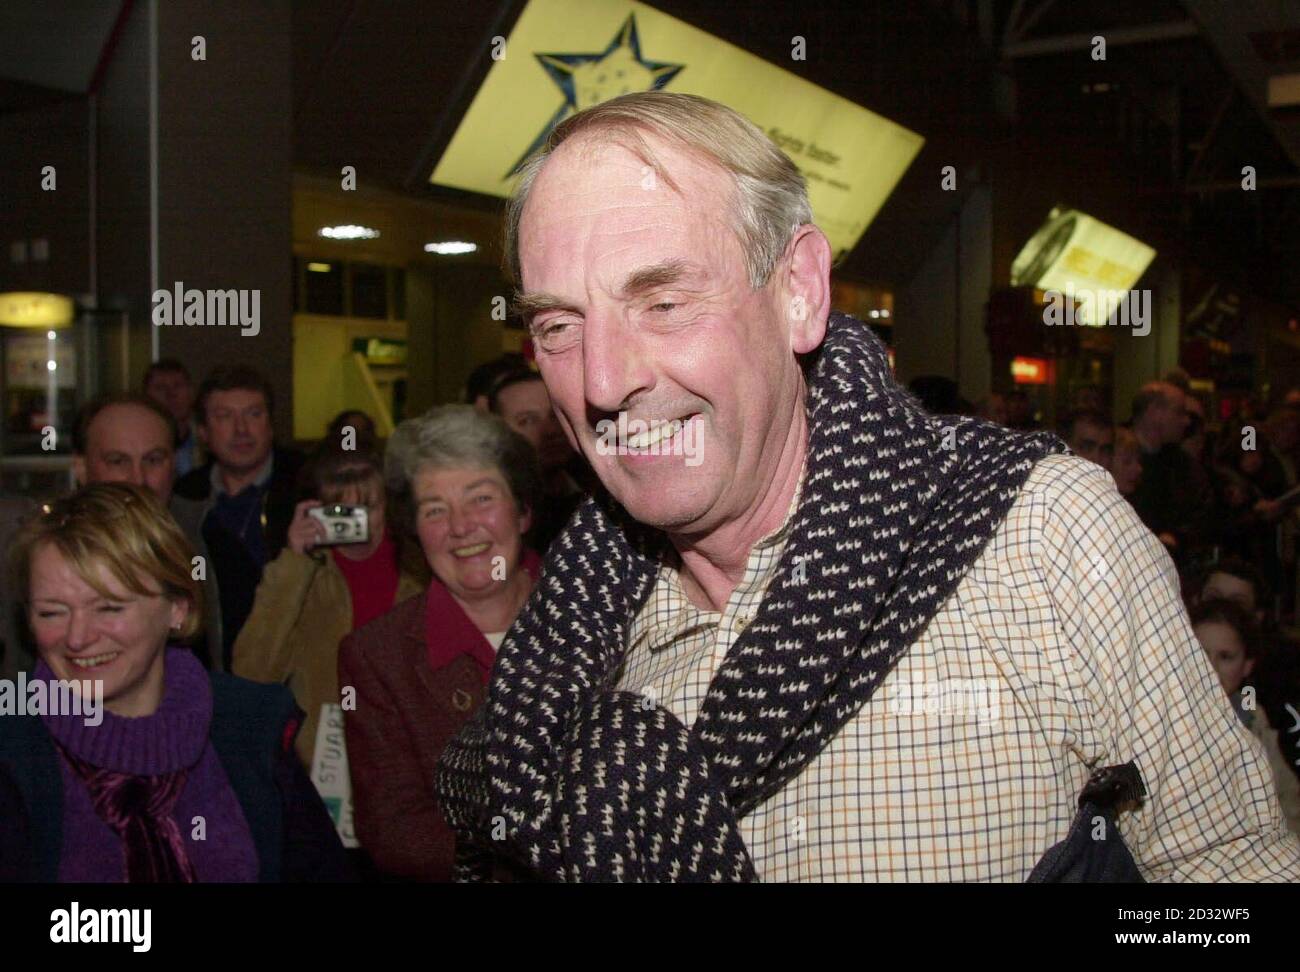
(79, 469)
(525, 520)
(806, 287)
(1247, 668)
(202, 431)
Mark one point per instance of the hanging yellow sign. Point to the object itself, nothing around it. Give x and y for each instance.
(566, 55)
(1087, 260)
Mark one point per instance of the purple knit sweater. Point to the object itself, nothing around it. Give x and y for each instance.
(173, 738)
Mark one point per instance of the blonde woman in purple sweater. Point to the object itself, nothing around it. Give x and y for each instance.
(136, 764)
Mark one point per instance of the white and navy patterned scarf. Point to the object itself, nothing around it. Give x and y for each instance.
(571, 780)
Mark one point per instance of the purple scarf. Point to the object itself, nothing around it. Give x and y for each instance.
(135, 769)
(139, 810)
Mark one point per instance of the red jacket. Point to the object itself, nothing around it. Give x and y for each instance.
(405, 714)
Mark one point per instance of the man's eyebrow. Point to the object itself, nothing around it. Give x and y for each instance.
(655, 275)
(638, 282)
(526, 305)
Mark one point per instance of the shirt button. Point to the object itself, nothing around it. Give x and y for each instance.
(461, 700)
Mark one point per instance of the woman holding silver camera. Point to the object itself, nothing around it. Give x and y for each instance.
(463, 487)
(338, 571)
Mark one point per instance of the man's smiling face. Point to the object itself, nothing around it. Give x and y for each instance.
(639, 300)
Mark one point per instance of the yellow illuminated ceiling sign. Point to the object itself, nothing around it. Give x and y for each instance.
(30, 309)
(1075, 254)
(565, 55)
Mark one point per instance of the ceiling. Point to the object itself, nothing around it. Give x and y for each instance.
(54, 45)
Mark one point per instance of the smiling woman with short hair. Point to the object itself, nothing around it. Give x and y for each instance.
(189, 776)
(463, 487)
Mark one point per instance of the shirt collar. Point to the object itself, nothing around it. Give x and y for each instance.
(263, 476)
(669, 613)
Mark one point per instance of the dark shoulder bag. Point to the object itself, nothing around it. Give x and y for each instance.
(1093, 852)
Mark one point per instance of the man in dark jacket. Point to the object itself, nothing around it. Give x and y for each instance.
(125, 437)
(248, 488)
(1172, 496)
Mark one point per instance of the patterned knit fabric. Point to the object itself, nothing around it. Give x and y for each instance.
(574, 781)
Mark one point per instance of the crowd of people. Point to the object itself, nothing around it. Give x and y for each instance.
(227, 628)
(713, 678)
(394, 636)
(1220, 500)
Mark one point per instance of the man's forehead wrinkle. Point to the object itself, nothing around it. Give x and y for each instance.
(593, 148)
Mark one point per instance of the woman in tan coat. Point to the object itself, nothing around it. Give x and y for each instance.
(313, 595)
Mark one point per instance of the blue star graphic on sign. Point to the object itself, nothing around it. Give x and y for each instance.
(589, 79)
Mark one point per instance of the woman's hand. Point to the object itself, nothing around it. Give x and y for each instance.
(305, 532)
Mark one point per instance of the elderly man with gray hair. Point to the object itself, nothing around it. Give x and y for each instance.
(854, 641)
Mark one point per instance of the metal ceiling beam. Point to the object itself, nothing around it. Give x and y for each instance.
(1115, 37)
(1022, 28)
(1227, 27)
(1208, 138)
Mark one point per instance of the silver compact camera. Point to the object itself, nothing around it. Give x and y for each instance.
(343, 524)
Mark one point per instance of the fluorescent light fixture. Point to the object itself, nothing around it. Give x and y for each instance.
(29, 309)
(314, 267)
(347, 232)
(450, 248)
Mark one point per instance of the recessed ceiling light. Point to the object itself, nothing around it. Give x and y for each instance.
(450, 248)
(348, 232)
(319, 267)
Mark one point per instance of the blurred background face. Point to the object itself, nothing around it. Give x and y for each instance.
(128, 444)
(1226, 653)
(1230, 588)
(526, 407)
(649, 312)
(1093, 442)
(237, 428)
(466, 519)
(1172, 416)
(82, 634)
(173, 391)
(1195, 441)
(1126, 468)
